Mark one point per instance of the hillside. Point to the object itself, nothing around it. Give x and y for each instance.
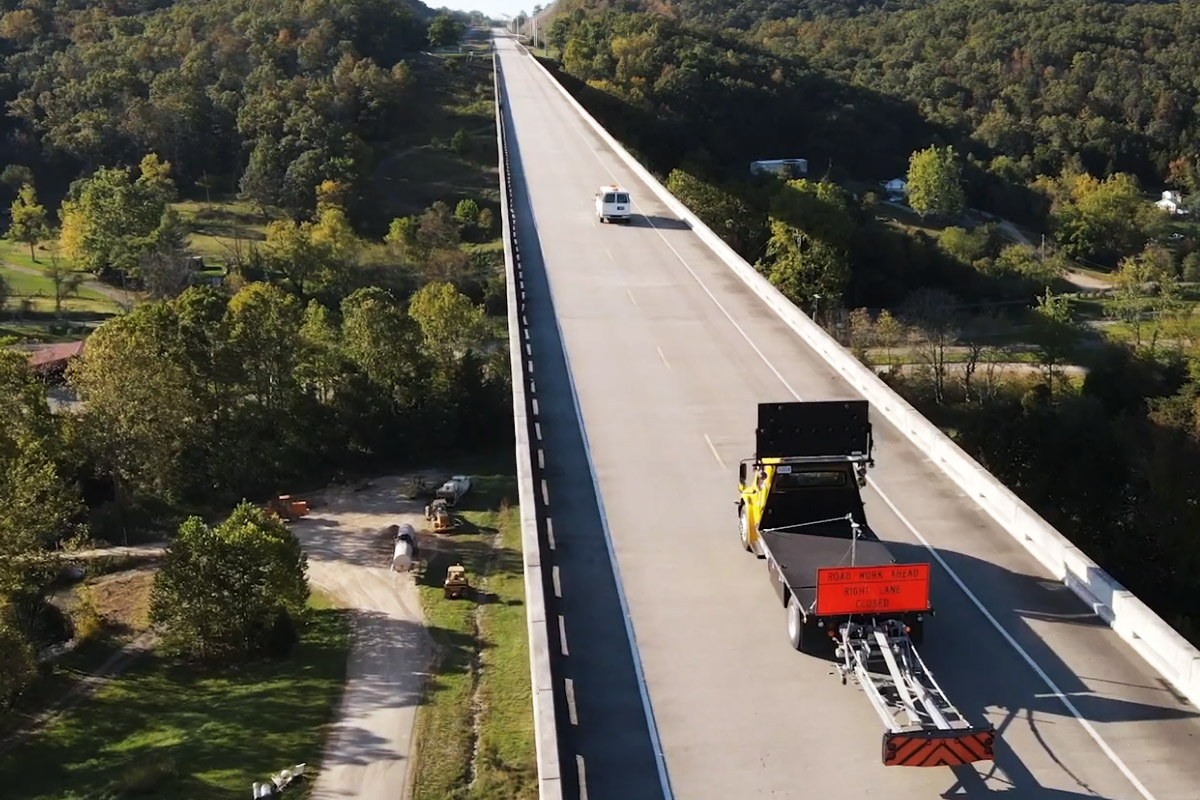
(1026, 87)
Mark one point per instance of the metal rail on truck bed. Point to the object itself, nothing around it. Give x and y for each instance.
(924, 729)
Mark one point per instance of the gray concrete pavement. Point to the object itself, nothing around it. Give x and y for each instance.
(670, 353)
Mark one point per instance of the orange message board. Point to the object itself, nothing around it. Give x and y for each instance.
(888, 589)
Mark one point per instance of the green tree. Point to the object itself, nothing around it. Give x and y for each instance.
(819, 209)
(27, 220)
(262, 180)
(1103, 220)
(65, 280)
(382, 408)
(729, 216)
(333, 232)
(233, 591)
(935, 182)
(1191, 267)
(143, 417)
(321, 367)
(1022, 261)
(467, 211)
(963, 245)
(383, 342)
(862, 333)
(889, 332)
(1056, 332)
(18, 666)
(14, 176)
(264, 322)
(112, 220)
(444, 31)
(558, 33)
(402, 240)
(451, 324)
(304, 257)
(37, 502)
(809, 272)
(1132, 300)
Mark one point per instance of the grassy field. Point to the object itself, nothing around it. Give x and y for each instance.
(39, 289)
(880, 357)
(167, 729)
(221, 228)
(905, 219)
(475, 730)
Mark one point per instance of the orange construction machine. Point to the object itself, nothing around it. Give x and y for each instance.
(286, 508)
(438, 512)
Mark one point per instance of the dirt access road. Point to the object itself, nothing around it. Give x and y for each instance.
(368, 752)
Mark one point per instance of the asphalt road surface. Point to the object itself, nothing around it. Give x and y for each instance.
(669, 354)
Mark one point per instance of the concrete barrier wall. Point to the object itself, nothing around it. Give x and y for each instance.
(1156, 641)
(545, 715)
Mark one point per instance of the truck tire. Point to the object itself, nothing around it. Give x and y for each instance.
(744, 529)
(795, 624)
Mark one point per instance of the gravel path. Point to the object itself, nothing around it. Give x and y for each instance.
(349, 554)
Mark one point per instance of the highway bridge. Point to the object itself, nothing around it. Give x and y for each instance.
(649, 359)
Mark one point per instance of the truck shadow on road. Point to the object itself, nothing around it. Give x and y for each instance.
(989, 680)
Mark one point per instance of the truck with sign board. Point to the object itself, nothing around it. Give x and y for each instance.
(800, 509)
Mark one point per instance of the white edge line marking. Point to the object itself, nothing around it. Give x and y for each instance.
(1087, 726)
(632, 299)
(573, 714)
(666, 363)
(612, 556)
(713, 448)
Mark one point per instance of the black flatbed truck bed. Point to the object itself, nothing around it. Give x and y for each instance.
(793, 560)
(798, 556)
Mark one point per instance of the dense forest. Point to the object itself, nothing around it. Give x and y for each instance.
(1068, 118)
(356, 320)
(267, 97)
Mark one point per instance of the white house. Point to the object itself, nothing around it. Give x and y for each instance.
(1171, 202)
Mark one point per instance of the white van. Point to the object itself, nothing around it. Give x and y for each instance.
(613, 203)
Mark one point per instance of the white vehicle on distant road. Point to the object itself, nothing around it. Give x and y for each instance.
(453, 489)
(613, 204)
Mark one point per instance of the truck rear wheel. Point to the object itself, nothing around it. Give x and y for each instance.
(795, 624)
